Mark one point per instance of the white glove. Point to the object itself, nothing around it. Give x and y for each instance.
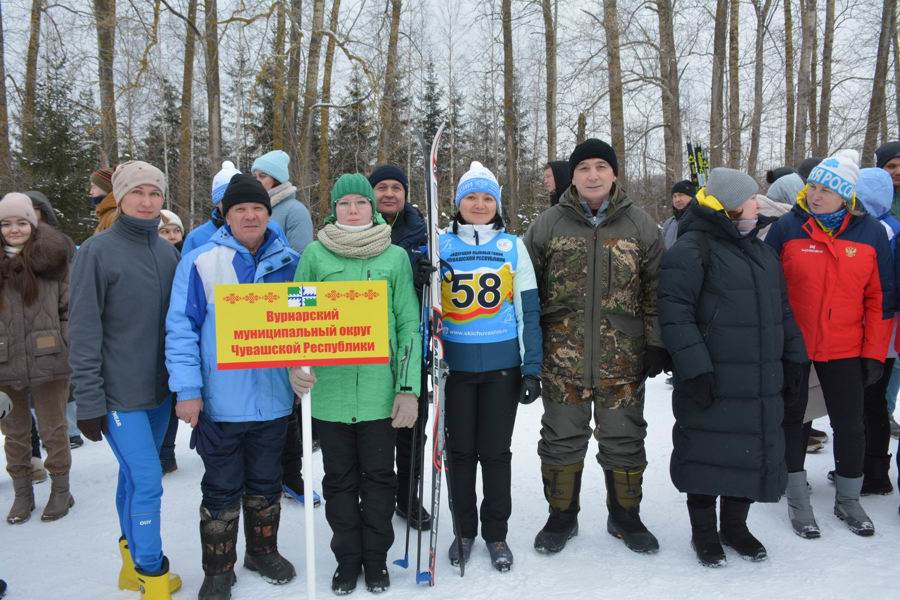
(301, 381)
(5, 405)
(405, 411)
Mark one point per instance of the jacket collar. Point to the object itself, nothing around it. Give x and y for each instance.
(271, 246)
(618, 202)
(475, 235)
(139, 230)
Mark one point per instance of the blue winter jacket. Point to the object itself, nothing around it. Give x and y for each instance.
(231, 395)
(203, 233)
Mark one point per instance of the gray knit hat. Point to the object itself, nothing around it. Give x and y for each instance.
(134, 173)
(730, 187)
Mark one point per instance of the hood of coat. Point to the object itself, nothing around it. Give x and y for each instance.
(710, 221)
(106, 205)
(42, 203)
(48, 257)
(771, 208)
(561, 178)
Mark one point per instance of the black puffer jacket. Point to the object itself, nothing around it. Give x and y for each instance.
(723, 310)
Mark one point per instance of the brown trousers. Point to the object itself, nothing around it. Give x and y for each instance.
(49, 400)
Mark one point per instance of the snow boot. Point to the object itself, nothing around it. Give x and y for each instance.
(155, 586)
(23, 503)
(218, 539)
(453, 553)
(128, 577)
(704, 537)
(847, 507)
(344, 580)
(261, 520)
(623, 500)
(877, 476)
(298, 497)
(38, 472)
(60, 500)
(818, 435)
(419, 524)
(734, 532)
(562, 489)
(799, 509)
(2, 588)
(501, 556)
(377, 578)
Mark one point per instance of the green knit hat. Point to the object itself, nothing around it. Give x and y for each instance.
(353, 183)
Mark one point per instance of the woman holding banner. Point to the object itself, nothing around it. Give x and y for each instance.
(358, 407)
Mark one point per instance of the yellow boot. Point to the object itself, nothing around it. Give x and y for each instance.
(155, 587)
(128, 577)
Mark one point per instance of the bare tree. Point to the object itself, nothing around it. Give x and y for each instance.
(185, 144)
(821, 146)
(716, 112)
(581, 132)
(105, 17)
(213, 93)
(28, 102)
(876, 104)
(278, 76)
(813, 75)
(550, 47)
(309, 96)
(386, 110)
(510, 122)
(788, 81)
(734, 86)
(324, 169)
(6, 179)
(614, 66)
(761, 8)
(671, 96)
(292, 99)
(897, 67)
(803, 81)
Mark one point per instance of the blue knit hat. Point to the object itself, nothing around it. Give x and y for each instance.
(274, 164)
(477, 179)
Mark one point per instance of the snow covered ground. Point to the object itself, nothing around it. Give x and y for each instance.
(77, 557)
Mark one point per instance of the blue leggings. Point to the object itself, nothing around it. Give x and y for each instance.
(135, 438)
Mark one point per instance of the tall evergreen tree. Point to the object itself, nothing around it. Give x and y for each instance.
(353, 139)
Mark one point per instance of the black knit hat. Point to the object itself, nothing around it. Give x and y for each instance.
(245, 188)
(389, 172)
(886, 153)
(685, 186)
(807, 165)
(776, 174)
(593, 148)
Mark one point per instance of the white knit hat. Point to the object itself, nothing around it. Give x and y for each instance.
(477, 179)
(838, 173)
(221, 180)
(167, 217)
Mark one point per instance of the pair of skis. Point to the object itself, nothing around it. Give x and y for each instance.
(698, 164)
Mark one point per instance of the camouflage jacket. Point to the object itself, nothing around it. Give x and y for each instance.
(597, 288)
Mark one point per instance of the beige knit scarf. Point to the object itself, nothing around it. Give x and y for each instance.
(356, 244)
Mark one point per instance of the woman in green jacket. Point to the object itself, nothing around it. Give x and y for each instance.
(357, 408)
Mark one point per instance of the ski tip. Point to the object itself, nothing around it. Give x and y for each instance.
(402, 562)
(423, 578)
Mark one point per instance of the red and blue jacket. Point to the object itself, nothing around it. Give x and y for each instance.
(840, 286)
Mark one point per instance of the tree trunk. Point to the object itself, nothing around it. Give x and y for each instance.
(788, 82)
(6, 179)
(876, 103)
(386, 110)
(581, 133)
(614, 65)
(897, 67)
(213, 94)
(803, 83)
(28, 103)
(279, 79)
(716, 111)
(510, 125)
(821, 148)
(324, 170)
(182, 204)
(734, 86)
(309, 97)
(292, 100)
(550, 46)
(813, 77)
(762, 8)
(105, 15)
(671, 102)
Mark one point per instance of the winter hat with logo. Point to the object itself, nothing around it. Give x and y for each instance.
(593, 148)
(875, 189)
(102, 178)
(134, 173)
(477, 179)
(16, 205)
(353, 184)
(274, 164)
(167, 217)
(392, 172)
(245, 188)
(838, 173)
(886, 153)
(685, 187)
(785, 189)
(730, 187)
(221, 180)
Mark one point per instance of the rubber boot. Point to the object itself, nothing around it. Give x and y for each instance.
(218, 539)
(877, 476)
(128, 577)
(704, 537)
(799, 509)
(23, 503)
(562, 489)
(60, 500)
(623, 499)
(847, 507)
(155, 586)
(261, 520)
(734, 532)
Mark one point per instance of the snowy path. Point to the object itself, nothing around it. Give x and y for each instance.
(77, 558)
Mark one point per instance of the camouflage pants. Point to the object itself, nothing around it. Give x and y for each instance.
(619, 426)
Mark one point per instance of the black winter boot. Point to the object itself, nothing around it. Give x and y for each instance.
(377, 578)
(734, 532)
(562, 489)
(877, 476)
(704, 537)
(261, 519)
(344, 580)
(453, 552)
(218, 538)
(623, 499)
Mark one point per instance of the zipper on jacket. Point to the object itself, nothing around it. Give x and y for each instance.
(590, 334)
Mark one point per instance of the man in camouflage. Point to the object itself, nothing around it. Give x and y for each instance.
(596, 257)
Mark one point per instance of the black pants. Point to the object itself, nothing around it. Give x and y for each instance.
(292, 455)
(842, 387)
(35, 440)
(705, 501)
(359, 487)
(480, 413)
(167, 450)
(404, 451)
(877, 421)
(246, 461)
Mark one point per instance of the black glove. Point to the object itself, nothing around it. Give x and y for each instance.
(206, 436)
(699, 389)
(422, 271)
(657, 360)
(93, 429)
(531, 389)
(872, 371)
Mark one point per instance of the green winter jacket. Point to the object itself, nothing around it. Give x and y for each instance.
(352, 394)
(597, 288)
